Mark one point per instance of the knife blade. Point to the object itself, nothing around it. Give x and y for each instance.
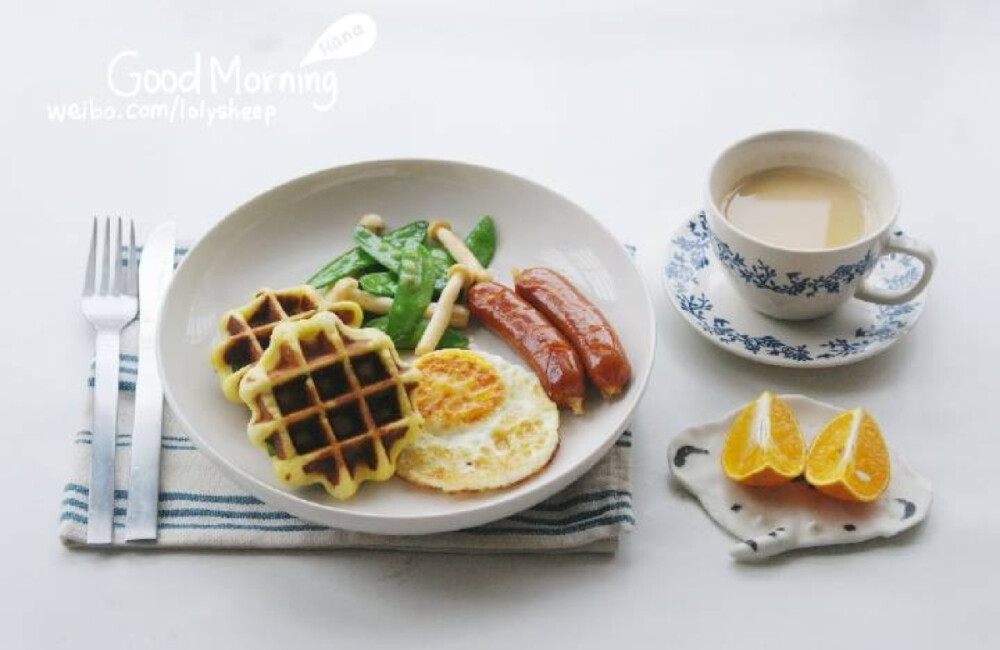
(156, 267)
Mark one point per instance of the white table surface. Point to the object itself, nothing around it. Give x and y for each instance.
(622, 108)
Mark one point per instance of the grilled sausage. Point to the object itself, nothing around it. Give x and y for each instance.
(581, 323)
(539, 343)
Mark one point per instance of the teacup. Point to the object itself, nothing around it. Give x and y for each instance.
(798, 284)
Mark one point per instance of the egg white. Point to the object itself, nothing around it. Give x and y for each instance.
(510, 445)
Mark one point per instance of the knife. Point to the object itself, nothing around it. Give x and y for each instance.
(156, 266)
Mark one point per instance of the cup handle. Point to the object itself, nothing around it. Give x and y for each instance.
(909, 246)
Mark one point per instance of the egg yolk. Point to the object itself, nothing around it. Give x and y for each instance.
(457, 388)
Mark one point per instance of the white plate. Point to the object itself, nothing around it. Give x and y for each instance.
(701, 291)
(281, 237)
(773, 520)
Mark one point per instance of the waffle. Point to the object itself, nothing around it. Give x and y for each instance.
(331, 404)
(246, 331)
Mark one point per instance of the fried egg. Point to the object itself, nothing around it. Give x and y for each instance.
(488, 424)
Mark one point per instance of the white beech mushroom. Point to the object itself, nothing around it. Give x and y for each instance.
(441, 231)
(458, 278)
(348, 289)
(373, 223)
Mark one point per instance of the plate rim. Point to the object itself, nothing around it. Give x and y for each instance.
(411, 524)
(776, 361)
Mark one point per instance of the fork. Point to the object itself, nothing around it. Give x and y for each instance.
(109, 308)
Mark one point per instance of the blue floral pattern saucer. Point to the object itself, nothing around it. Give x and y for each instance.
(699, 289)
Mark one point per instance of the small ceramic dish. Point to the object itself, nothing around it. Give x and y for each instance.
(773, 520)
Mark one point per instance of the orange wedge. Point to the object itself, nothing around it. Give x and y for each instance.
(849, 460)
(765, 444)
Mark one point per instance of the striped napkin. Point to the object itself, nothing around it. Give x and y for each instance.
(200, 508)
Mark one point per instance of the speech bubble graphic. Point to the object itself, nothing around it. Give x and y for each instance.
(348, 37)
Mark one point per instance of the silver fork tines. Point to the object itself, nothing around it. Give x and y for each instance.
(108, 309)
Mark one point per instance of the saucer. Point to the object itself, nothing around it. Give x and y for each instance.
(700, 290)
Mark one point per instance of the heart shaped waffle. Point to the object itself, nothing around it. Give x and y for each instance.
(246, 331)
(331, 404)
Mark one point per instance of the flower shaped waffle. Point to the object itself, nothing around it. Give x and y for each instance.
(246, 331)
(331, 404)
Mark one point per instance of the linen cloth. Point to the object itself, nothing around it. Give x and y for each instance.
(201, 508)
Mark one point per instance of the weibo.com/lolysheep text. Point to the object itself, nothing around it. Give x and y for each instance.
(178, 110)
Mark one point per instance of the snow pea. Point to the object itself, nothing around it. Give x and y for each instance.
(380, 283)
(382, 251)
(482, 243)
(388, 251)
(416, 288)
(353, 262)
(415, 231)
(450, 339)
(442, 256)
(482, 240)
(440, 262)
(356, 261)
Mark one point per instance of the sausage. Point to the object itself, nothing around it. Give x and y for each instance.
(583, 325)
(537, 341)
